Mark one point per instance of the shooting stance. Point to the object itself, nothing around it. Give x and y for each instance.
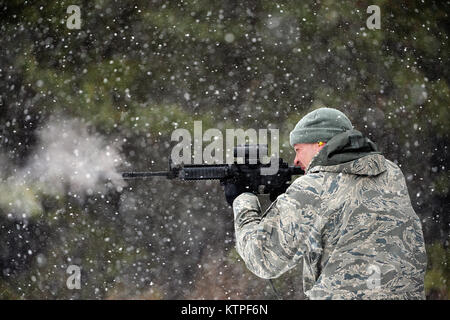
(349, 218)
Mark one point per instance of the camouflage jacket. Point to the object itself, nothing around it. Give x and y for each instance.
(351, 224)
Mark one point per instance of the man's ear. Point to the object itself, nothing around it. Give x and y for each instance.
(321, 145)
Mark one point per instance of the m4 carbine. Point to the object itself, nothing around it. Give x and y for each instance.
(247, 174)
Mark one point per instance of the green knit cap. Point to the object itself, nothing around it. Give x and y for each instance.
(320, 125)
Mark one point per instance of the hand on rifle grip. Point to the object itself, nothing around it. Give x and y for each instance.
(233, 189)
(273, 195)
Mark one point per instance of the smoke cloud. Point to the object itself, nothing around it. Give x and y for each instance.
(68, 158)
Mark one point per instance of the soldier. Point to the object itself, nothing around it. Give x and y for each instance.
(349, 219)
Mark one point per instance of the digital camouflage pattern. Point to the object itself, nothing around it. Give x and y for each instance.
(353, 226)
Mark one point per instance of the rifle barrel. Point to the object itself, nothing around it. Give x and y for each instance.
(143, 175)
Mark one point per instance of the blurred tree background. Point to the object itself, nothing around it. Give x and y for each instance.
(137, 70)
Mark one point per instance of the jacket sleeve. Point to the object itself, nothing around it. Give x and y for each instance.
(273, 243)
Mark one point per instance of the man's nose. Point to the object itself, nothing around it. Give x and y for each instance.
(296, 162)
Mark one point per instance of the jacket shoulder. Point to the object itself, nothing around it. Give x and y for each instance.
(312, 182)
(395, 173)
(306, 192)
